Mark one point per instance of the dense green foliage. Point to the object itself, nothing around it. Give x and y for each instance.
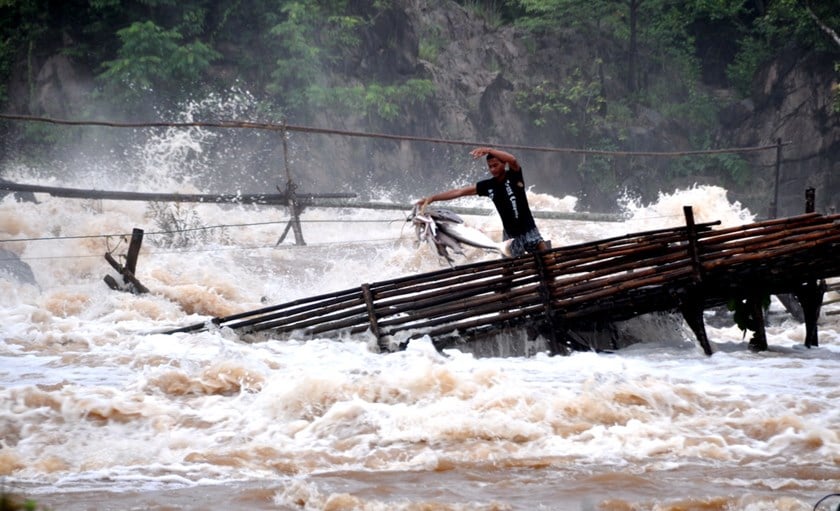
(172, 49)
(300, 57)
(150, 58)
(680, 43)
(160, 52)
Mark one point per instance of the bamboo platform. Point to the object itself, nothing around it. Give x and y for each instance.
(685, 269)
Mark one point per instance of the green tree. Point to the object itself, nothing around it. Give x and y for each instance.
(312, 39)
(24, 25)
(373, 100)
(807, 24)
(318, 44)
(650, 34)
(151, 61)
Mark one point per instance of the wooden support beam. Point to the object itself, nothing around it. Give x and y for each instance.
(133, 251)
(693, 250)
(791, 304)
(295, 210)
(371, 310)
(209, 198)
(774, 212)
(545, 293)
(135, 286)
(790, 301)
(321, 200)
(692, 311)
(810, 296)
(284, 234)
(291, 193)
(131, 283)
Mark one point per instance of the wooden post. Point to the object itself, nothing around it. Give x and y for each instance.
(693, 252)
(692, 306)
(128, 271)
(778, 177)
(791, 301)
(545, 294)
(295, 208)
(133, 251)
(291, 188)
(374, 325)
(692, 311)
(810, 296)
(810, 200)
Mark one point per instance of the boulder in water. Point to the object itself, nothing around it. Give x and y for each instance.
(11, 267)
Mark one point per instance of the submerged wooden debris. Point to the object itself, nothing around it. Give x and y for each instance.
(128, 272)
(687, 269)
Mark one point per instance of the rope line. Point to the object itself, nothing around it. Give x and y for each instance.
(327, 131)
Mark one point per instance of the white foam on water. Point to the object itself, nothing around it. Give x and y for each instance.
(90, 396)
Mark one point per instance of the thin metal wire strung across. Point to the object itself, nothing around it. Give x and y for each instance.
(283, 127)
(687, 269)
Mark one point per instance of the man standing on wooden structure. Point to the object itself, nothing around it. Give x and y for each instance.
(506, 188)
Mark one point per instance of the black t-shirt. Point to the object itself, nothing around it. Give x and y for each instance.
(509, 197)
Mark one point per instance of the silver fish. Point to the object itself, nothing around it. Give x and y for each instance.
(446, 231)
(473, 237)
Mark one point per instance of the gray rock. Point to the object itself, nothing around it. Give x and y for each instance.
(12, 267)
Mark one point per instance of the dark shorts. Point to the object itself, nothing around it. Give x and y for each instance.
(524, 242)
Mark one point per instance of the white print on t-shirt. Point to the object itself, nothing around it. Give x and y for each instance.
(512, 199)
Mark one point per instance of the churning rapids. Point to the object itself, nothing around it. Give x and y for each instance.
(98, 412)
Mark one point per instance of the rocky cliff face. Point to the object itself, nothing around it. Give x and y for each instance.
(478, 70)
(478, 73)
(791, 103)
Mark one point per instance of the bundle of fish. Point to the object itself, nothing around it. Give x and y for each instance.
(447, 233)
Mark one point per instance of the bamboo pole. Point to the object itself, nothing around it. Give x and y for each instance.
(441, 295)
(295, 306)
(482, 304)
(468, 272)
(594, 291)
(209, 198)
(473, 279)
(629, 266)
(474, 323)
(337, 324)
(357, 310)
(769, 233)
(767, 252)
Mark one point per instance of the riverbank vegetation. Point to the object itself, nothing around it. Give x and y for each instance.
(286, 49)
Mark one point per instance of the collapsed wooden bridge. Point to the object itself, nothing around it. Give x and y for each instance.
(686, 269)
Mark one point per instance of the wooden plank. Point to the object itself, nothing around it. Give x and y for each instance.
(210, 198)
(296, 306)
(301, 321)
(134, 250)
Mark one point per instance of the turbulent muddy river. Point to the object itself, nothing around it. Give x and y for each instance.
(98, 411)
